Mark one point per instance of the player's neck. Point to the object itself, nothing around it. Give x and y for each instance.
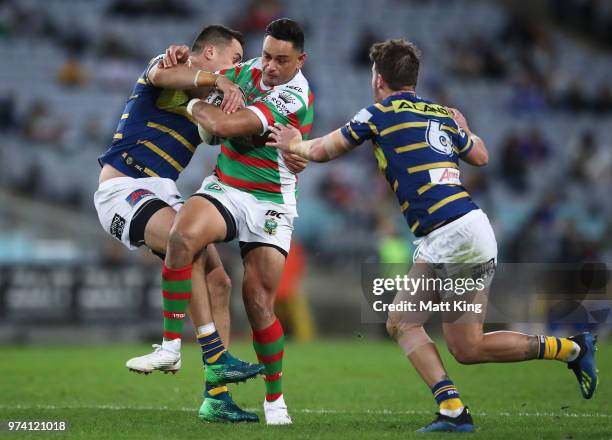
(263, 81)
(385, 93)
(402, 91)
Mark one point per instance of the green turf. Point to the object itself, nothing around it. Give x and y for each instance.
(335, 389)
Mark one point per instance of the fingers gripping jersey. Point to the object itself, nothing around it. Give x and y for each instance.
(418, 146)
(246, 163)
(155, 136)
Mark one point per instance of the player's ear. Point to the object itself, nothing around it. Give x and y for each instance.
(209, 51)
(379, 81)
(301, 60)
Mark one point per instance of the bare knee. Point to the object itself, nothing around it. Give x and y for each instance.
(392, 327)
(465, 353)
(182, 245)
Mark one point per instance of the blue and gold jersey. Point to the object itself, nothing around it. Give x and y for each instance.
(418, 146)
(155, 136)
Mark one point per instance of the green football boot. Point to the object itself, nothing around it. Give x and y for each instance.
(228, 369)
(224, 410)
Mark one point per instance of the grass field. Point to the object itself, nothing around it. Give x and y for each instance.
(336, 389)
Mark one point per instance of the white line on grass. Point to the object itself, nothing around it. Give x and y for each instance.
(306, 411)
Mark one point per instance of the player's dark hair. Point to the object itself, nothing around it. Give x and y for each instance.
(287, 30)
(397, 61)
(216, 34)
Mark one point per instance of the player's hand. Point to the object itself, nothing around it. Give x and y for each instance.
(295, 163)
(282, 137)
(174, 55)
(459, 119)
(232, 95)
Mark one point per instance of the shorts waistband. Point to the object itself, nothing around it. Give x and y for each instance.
(466, 218)
(115, 181)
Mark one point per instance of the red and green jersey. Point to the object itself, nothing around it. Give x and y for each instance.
(246, 163)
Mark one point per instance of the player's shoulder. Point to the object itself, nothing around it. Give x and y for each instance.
(144, 77)
(290, 97)
(297, 87)
(252, 64)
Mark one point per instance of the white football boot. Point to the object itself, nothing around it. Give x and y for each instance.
(161, 360)
(276, 412)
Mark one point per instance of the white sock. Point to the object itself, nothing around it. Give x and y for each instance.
(206, 329)
(574, 353)
(173, 345)
(451, 412)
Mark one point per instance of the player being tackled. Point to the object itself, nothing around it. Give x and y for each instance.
(137, 201)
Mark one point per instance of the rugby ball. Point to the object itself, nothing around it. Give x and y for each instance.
(215, 98)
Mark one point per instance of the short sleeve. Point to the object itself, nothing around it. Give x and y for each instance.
(361, 127)
(280, 106)
(465, 143)
(152, 63)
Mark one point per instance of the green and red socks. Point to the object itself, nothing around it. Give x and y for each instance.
(176, 287)
(269, 344)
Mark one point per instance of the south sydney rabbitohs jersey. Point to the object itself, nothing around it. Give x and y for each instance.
(246, 163)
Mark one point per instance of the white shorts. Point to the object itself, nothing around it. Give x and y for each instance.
(469, 239)
(255, 221)
(464, 248)
(125, 204)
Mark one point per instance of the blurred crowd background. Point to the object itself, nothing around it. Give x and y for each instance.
(533, 79)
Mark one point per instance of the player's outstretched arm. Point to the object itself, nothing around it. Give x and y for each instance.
(174, 72)
(478, 154)
(321, 149)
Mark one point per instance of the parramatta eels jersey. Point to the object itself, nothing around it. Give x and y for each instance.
(155, 136)
(246, 163)
(418, 146)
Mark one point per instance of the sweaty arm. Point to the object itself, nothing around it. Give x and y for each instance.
(322, 149)
(181, 77)
(330, 146)
(175, 71)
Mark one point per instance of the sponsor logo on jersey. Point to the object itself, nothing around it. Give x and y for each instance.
(116, 226)
(296, 88)
(286, 97)
(402, 105)
(270, 226)
(445, 176)
(279, 104)
(137, 196)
